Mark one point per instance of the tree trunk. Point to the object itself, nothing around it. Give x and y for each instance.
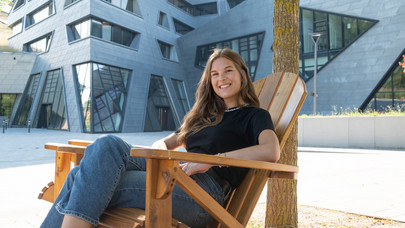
(281, 193)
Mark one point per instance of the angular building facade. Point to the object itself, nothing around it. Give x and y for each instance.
(134, 65)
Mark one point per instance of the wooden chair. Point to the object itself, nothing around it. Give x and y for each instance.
(281, 93)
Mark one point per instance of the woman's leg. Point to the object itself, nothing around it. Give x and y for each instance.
(90, 186)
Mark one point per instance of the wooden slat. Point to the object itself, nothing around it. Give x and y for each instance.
(205, 200)
(281, 98)
(210, 159)
(62, 169)
(291, 112)
(158, 211)
(79, 142)
(266, 95)
(241, 192)
(253, 196)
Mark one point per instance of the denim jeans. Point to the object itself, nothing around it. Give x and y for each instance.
(108, 177)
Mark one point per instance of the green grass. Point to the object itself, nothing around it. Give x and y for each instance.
(7, 49)
(398, 110)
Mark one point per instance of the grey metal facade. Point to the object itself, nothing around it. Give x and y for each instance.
(344, 82)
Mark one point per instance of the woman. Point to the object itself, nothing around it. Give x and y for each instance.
(224, 120)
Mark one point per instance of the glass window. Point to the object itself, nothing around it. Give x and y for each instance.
(51, 113)
(17, 27)
(105, 31)
(205, 9)
(68, 2)
(181, 96)
(390, 92)
(168, 51)
(129, 5)
(181, 27)
(96, 28)
(233, 3)
(40, 14)
(81, 30)
(196, 10)
(307, 28)
(39, 45)
(337, 31)
(18, 3)
(163, 21)
(26, 101)
(248, 47)
(159, 112)
(103, 92)
(349, 29)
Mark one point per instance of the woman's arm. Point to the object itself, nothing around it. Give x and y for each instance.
(268, 149)
(168, 143)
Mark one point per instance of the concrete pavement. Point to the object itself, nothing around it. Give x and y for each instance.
(367, 182)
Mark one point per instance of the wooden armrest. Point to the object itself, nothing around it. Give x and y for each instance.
(79, 142)
(65, 148)
(211, 159)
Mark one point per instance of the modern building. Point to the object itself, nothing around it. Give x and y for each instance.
(133, 65)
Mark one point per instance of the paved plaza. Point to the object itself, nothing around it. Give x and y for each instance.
(366, 182)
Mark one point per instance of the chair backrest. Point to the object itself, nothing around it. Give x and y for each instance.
(282, 94)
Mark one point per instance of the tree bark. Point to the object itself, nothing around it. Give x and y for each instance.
(281, 193)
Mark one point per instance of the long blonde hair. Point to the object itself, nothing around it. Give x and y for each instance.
(209, 108)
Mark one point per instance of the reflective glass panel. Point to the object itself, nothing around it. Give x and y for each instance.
(17, 28)
(337, 32)
(181, 96)
(51, 113)
(103, 92)
(159, 112)
(26, 101)
(40, 45)
(181, 27)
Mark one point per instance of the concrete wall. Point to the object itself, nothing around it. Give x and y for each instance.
(386, 132)
(350, 77)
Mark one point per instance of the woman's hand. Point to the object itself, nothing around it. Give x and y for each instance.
(191, 168)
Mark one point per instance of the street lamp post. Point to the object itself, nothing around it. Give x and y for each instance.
(315, 38)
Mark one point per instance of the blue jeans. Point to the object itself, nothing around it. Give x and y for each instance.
(108, 177)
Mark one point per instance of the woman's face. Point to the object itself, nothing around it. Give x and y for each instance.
(226, 81)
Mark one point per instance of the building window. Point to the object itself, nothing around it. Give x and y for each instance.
(51, 113)
(248, 47)
(195, 10)
(68, 2)
(103, 93)
(26, 101)
(7, 104)
(18, 3)
(181, 27)
(205, 9)
(104, 30)
(159, 111)
(163, 21)
(168, 51)
(181, 97)
(128, 5)
(233, 3)
(390, 91)
(40, 14)
(17, 27)
(338, 32)
(39, 45)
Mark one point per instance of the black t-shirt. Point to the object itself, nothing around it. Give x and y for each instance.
(238, 129)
